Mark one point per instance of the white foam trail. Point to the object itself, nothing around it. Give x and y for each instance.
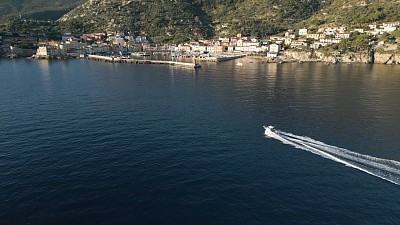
(388, 170)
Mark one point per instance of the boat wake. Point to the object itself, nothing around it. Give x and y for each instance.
(386, 169)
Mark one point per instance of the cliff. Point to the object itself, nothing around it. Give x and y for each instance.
(309, 56)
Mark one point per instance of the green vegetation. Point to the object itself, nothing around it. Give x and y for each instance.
(357, 12)
(396, 33)
(171, 21)
(36, 9)
(49, 29)
(174, 21)
(387, 38)
(180, 20)
(357, 42)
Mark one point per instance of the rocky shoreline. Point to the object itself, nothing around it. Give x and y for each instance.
(352, 57)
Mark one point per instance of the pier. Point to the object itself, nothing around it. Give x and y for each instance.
(140, 61)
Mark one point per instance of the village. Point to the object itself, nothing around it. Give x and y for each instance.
(124, 44)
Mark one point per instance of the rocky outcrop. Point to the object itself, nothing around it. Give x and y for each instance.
(397, 58)
(299, 56)
(387, 58)
(382, 58)
(354, 58)
(359, 57)
(311, 56)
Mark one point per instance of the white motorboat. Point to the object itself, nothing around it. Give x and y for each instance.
(271, 132)
(239, 64)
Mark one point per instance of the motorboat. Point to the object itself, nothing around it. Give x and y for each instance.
(239, 64)
(270, 131)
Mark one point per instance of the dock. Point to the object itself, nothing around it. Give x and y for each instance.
(140, 61)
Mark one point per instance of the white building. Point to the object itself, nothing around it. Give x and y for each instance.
(391, 24)
(343, 35)
(224, 40)
(274, 48)
(313, 36)
(249, 43)
(329, 41)
(47, 51)
(303, 32)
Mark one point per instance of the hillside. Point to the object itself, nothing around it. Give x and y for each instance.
(356, 12)
(163, 20)
(37, 9)
(182, 19)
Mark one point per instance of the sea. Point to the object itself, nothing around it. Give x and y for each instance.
(88, 142)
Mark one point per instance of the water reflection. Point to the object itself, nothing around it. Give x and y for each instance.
(45, 75)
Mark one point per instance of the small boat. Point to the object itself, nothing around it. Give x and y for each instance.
(239, 64)
(197, 65)
(270, 131)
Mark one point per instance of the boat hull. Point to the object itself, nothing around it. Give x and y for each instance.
(271, 132)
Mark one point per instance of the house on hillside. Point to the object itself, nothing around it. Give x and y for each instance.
(298, 44)
(314, 36)
(334, 30)
(343, 35)
(274, 48)
(303, 32)
(390, 26)
(290, 34)
(328, 41)
(224, 40)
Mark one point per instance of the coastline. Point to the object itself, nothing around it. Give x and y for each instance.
(287, 57)
(387, 58)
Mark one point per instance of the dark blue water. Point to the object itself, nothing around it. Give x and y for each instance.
(84, 142)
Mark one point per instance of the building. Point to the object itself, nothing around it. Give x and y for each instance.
(290, 34)
(224, 40)
(359, 30)
(274, 48)
(303, 32)
(298, 44)
(391, 24)
(250, 43)
(325, 41)
(47, 52)
(334, 30)
(313, 36)
(343, 35)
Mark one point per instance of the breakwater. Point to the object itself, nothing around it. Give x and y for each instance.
(140, 61)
